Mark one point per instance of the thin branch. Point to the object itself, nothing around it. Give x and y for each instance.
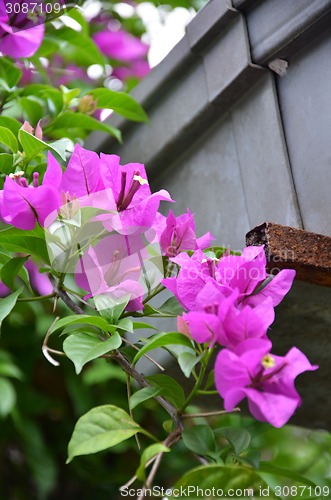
(38, 297)
(65, 298)
(128, 391)
(170, 409)
(45, 349)
(145, 355)
(169, 441)
(209, 414)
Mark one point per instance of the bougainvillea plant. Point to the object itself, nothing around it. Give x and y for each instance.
(84, 234)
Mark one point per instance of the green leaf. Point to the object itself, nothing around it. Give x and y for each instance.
(82, 319)
(120, 102)
(11, 123)
(224, 478)
(69, 94)
(7, 304)
(7, 397)
(268, 468)
(30, 242)
(8, 139)
(83, 347)
(210, 380)
(111, 308)
(171, 389)
(125, 325)
(70, 119)
(143, 395)
(160, 340)
(171, 306)
(9, 270)
(53, 97)
(162, 311)
(238, 438)
(100, 371)
(9, 72)
(8, 368)
(99, 429)
(187, 361)
(32, 109)
(199, 439)
(6, 163)
(78, 47)
(33, 146)
(139, 324)
(150, 452)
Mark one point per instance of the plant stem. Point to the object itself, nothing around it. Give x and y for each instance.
(209, 413)
(39, 297)
(157, 290)
(198, 381)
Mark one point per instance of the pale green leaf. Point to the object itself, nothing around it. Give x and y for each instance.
(9, 72)
(7, 304)
(30, 242)
(170, 388)
(33, 146)
(82, 319)
(238, 438)
(120, 102)
(70, 119)
(6, 163)
(160, 340)
(143, 395)
(7, 397)
(83, 347)
(187, 361)
(150, 452)
(8, 139)
(100, 429)
(10, 270)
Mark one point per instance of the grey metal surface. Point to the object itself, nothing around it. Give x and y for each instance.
(305, 100)
(263, 159)
(207, 180)
(278, 29)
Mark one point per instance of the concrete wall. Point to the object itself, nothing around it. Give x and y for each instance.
(239, 144)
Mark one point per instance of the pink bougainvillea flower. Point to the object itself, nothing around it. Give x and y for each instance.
(19, 36)
(113, 268)
(276, 288)
(219, 318)
(134, 69)
(120, 45)
(82, 176)
(22, 205)
(123, 189)
(194, 273)
(126, 48)
(266, 380)
(178, 234)
(245, 273)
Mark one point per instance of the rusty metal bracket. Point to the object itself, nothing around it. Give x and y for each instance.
(287, 247)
